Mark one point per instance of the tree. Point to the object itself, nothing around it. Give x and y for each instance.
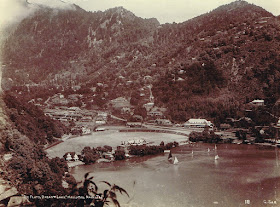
(119, 154)
(135, 98)
(141, 111)
(89, 190)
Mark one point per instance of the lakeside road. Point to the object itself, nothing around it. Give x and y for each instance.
(112, 137)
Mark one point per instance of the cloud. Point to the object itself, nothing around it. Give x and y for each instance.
(52, 3)
(12, 11)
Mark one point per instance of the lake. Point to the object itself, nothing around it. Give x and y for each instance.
(244, 175)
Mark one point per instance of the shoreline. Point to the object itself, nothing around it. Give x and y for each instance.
(118, 135)
(114, 138)
(72, 164)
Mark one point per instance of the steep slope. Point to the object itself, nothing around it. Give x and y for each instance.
(241, 41)
(118, 50)
(23, 161)
(53, 41)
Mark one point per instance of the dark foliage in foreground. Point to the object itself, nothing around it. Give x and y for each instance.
(31, 171)
(91, 195)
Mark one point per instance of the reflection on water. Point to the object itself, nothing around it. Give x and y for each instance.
(244, 175)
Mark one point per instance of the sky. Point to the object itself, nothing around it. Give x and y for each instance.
(169, 11)
(166, 11)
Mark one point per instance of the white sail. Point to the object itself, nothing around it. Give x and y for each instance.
(175, 161)
(216, 157)
(215, 147)
(208, 150)
(192, 152)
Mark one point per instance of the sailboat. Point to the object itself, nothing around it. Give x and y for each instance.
(208, 150)
(175, 161)
(192, 152)
(170, 156)
(217, 156)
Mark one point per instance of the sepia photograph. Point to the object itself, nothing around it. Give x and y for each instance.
(139, 103)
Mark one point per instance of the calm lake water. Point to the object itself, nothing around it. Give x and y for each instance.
(244, 175)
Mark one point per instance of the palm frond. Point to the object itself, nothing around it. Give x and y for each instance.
(121, 190)
(86, 183)
(106, 183)
(86, 175)
(112, 194)
(116, 202)
(105, 194)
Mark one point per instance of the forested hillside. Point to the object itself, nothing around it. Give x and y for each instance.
(226, 57)
(29, 169)
(32, 122)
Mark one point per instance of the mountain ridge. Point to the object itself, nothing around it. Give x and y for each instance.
(67, 48)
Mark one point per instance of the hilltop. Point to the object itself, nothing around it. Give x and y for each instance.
(115, 50)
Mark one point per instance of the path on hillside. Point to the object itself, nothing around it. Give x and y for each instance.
(117, 118)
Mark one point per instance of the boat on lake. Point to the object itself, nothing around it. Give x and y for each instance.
(175, 161)
(217, 157)
(170, 156)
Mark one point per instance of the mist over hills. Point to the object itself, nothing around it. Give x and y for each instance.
(223, 58)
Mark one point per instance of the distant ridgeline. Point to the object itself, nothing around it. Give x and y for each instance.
(218, 60)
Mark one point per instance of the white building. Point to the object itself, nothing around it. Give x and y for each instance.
(134, 124)
(198, 123)
(102, 114)
(76, 158)
(99, 129)
(86, 130)
(278, 123)
(257, 102)
(100, 122)
(69, 157)
(136, 142)
(148, 106)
